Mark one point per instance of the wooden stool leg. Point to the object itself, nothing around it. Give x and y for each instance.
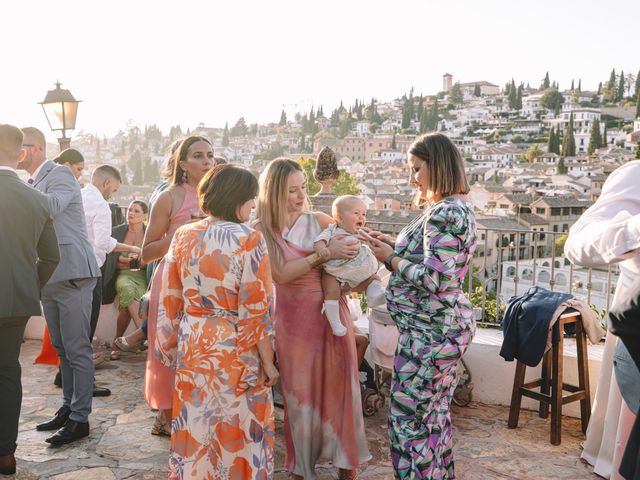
(545, 386)
(556, 388)
(583, 375)
(516, 395)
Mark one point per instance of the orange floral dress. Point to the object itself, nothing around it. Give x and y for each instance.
(215, 308)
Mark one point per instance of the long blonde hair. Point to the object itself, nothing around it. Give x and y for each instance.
(271, 212)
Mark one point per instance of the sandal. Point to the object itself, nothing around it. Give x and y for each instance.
(160, 426)
(121, 344)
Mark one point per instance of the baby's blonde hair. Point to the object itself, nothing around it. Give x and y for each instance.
(342, 202)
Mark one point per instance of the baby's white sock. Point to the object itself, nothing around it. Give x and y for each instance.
(331, 308)
(375, 294)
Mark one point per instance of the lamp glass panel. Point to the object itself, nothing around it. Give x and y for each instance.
(53, 111)
(70, 114)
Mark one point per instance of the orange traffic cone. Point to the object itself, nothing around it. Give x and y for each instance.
(48, 354)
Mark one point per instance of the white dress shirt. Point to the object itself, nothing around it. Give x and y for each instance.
(98, 216)
(35, 173)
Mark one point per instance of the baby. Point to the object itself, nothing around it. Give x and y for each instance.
(350, 214)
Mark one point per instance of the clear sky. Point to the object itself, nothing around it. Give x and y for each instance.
(186, 62)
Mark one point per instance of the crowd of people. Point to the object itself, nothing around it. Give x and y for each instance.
(237, 285)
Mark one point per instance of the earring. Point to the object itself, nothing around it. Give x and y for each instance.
(184, 176)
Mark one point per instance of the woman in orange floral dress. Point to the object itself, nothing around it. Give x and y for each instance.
(216, 331)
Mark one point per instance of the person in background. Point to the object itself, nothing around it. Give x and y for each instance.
(319, 372)
(428, 262)
(66, 298)
(174, 207)
(215, 330)
(72, 159)
(29, 255)
(124, 275)
(609, 233)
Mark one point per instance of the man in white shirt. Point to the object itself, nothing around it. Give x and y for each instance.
(105, 181)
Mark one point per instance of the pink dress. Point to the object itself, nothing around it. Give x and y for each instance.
(159, 379)
(323, 414)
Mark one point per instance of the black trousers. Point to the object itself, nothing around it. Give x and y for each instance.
(96, 302)
(11, 333)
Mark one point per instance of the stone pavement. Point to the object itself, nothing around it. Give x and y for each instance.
(120, 445)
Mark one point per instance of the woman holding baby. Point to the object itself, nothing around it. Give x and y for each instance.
(318, 369)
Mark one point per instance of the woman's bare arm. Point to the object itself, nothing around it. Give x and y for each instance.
(157, 238)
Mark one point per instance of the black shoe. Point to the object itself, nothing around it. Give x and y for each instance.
(101, 391)
(71, 432)
(7, 464)
(58, 420)
(58, 380)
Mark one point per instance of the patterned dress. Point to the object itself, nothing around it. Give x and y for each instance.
(318, 371)
(435, 320)
(216, 297)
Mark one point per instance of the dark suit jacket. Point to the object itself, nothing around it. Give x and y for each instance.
(110, 267)
(28, 246)
(62, 190)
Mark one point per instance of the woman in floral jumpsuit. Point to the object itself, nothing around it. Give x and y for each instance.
(428, 261)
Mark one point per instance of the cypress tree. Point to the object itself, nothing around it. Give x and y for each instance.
(551, 141)
(225, 135)
(572, 87)
(513, 99)
(637, 87)
(611, 87)
(604, 136)
(557, 142)
(580, 85)
(638, 105)
(283, 119)
(476, 91)
(600, 88)
(545, 83)
(519, 98)
(393, 142)
(561, 168)
(569, 141)
(637, 157)
(595, 139)
(620, 95)
(423, 121)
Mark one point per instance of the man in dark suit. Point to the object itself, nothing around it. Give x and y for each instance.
(66, 298)
(28, 257)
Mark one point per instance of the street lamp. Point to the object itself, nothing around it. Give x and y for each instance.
(61, 110)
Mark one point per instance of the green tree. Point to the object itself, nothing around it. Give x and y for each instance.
(638, 105)
(620, 93)
(513, 95)
(595, 139)
(561, 167)
(225, 135)
(476, 91)
(533, 152)
(519, 98)
(345, 184)
(637, 157)
(124, 173)
(611, 92)
(560, 241)
(604, 136)
(423, 120)
(309, 165)
(572, 85)
(151, 172)
(551, 141)
(393, 142)
(552, 100)
(283, 119)
(569, 141)
(545, 83)
(240, 129)
(580, 85)
(138, 178)
(455, 96)
(558, 141)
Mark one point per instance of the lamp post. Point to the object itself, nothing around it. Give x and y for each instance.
(61, 110)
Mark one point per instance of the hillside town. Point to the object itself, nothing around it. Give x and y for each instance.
(536, 156)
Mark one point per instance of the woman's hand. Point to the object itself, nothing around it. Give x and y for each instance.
(380, 249)
(379, 235)
(343, 247)
(271, 374)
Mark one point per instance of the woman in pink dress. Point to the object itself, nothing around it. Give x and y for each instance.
(174, 207)
(319, 374)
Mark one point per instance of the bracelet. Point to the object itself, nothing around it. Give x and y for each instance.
(314, 260)
(387, 263)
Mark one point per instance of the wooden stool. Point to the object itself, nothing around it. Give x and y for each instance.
(552, 370)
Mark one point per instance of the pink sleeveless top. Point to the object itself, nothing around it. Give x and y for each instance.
(190, 204)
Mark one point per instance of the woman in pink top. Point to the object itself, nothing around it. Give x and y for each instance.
(174, 207)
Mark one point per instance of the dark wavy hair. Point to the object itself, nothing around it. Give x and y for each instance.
(224, 189)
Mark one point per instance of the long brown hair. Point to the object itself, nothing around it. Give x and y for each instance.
(444, 164)
(271, 211)
(178, 176)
